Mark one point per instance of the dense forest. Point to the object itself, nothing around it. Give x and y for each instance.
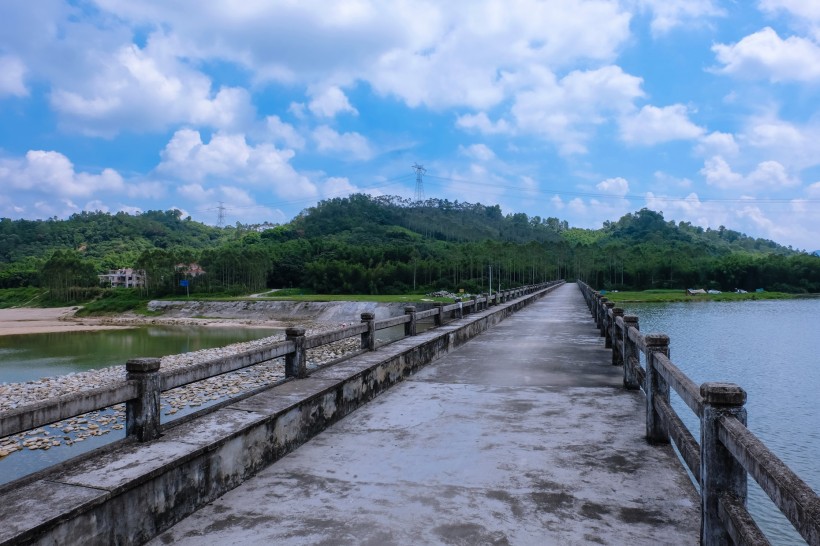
(363, 244)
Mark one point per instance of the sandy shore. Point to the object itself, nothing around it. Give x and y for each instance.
(61, 319)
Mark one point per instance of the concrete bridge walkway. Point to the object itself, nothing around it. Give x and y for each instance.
(522, 436)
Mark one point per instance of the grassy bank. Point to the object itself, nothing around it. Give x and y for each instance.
(23, 297)
(648, 296)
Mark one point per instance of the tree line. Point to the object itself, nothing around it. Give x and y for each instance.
(377, 245)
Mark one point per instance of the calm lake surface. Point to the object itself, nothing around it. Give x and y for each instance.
(33, 356)
(772, 350)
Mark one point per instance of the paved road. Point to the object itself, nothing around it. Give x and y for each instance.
(522, 436)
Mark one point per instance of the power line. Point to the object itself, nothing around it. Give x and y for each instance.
(375, 185)
(700, 199)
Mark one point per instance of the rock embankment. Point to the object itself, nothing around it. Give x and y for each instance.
(315, 311)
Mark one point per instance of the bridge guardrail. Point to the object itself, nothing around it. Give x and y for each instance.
(145, 381)
(727, 453)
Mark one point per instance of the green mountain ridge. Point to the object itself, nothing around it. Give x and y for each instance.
(386, 244)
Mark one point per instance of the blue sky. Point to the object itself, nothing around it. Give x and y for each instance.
(585, 110)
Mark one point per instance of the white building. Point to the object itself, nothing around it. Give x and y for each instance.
(123, 278)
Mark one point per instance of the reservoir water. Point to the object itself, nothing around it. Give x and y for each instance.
(33, 356)
(771, 348)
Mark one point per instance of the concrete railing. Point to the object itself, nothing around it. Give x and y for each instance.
(145, 381)
(727, 453)
(129, 491)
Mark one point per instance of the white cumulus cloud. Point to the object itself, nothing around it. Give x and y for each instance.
(615, 186)
(330, 102)
(481, 122)
(351, 145)
(565, 111)
(229, 157)
(652, 125)
(52, 174)
(765, 55)
(479, 152)
(147, 89)
(12, 76)
(669, 14)
(769, 175)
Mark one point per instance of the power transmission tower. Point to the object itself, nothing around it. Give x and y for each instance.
(220, 219)
(420, 170)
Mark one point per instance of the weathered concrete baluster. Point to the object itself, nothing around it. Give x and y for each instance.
(438, 318)
(655, 386)
(296, 362)
(630, 351)
(595, 300)
(617, 335)
(369, 337)
(410, 327)
(475, 305)
(607, 324)
(142, 412)
(486, 303)
(599, 318)
(720, 473)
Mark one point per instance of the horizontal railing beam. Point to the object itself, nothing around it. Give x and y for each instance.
(425, 314)
(686, 443)
(65, 407)
(685, 387)
(739, 523)
(798, 502)
(317, 340)
(172, 379)
(393, 321)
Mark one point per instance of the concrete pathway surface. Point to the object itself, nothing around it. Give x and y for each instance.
(522, 436)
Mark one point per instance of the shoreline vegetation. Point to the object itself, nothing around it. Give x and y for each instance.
(680, 295)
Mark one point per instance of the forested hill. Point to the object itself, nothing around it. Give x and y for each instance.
(362, 216)
(363, 244)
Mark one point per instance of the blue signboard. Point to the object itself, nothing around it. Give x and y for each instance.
(183, 282)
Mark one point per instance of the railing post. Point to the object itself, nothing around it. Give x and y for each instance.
(410, 327)
(617, 356)
(438, 318)
(369, 337)
(607, 325)
(458, 312)
(142, 412)
(475, 305)
(655, 386)
(720, 473)
(595, 298)
(630, 351)
(599, 320)
(486, 303)
(296, 362)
